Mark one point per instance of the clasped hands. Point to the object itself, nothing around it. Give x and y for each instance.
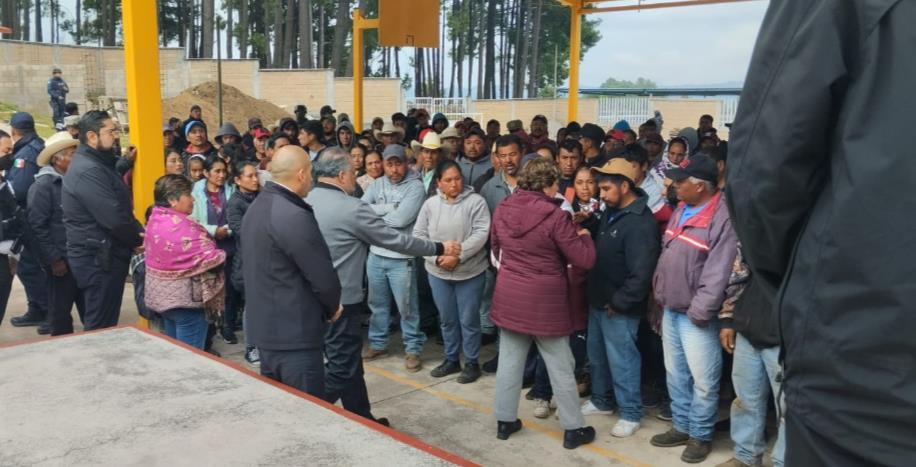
(449, 259)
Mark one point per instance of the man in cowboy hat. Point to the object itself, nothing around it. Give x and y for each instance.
(449, 139)
(428, 153)
(46, 222)
(389, 134)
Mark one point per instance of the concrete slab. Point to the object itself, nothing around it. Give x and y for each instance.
(125, 397)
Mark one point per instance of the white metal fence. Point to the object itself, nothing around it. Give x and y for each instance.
(452, 107)
(728, 107)
(633, 109)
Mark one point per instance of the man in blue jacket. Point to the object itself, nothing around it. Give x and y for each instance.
(26, 147)
(627, 245)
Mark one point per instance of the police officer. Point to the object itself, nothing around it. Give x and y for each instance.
(26, 147)
(101, 229)
(57, 90)
(9, 232)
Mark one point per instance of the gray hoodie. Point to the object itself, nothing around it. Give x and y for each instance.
(467, 220)
(398, 204)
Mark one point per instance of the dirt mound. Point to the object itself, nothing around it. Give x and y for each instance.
(238, 107)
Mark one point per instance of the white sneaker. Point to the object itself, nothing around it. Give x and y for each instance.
(589, 409)
(624, 428)
(541, 408)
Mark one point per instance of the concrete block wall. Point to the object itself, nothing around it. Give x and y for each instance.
(525, 109)
(682, 113)
(288, 88)
(382, 97)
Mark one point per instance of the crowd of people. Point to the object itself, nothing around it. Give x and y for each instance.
(602, 263)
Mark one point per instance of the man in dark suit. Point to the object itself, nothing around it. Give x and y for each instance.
(291, 286)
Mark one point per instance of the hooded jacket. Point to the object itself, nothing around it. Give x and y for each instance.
(627, 247)
(696, 262)
(398, 204)
(46, 218)
(25, 165)
(353, 136)
(236, 208)
(348, 226)
(825, 220)
(467, 220)
(534, 242)
(472, 170)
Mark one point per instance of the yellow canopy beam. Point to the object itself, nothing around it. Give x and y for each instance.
(360, 25)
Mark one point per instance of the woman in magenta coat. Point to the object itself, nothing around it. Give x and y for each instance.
(532, 242)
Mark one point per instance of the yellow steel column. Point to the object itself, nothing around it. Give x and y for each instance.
(360, 24)
(575, 47)
(144, 102)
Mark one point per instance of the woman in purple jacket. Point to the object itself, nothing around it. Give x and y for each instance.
(533, 241)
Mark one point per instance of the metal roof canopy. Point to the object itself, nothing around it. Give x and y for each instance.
(587, 7)
(655, 91)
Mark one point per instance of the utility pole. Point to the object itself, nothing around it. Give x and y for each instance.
(219, 68)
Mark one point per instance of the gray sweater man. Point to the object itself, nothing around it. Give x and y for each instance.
(349, 226)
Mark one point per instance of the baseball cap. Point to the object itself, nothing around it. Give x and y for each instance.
(514, 125)
(22, 121)
(394, 150)
(326, 110)
(699, 166)
(619, 135)
(261, 132)
(619, 166)
(254, 122)
(592, 132)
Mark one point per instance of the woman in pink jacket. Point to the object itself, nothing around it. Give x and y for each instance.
(532, 242)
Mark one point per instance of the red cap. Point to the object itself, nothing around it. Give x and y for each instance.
(261, 133)
(616, 134)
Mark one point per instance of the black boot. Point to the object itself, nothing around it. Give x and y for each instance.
(44, 328)
(470, 374)
(575, 438)
(505, 429)
(447, 367)
(490, 366)
(30, 318)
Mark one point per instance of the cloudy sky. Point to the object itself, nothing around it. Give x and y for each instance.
(701, 45)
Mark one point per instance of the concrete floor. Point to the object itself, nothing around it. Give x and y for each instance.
(458, 418)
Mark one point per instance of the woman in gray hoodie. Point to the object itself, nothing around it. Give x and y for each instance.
(457, 282)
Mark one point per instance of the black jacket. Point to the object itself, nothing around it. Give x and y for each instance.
(818, 168)
(235, 211)
(627, 247)
(96, 207)
(46, 218)
(291, 288)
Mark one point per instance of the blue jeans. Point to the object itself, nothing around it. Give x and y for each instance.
(754, 376)
(188, 325)
(693, 364)
(458, 303)
(389, 277)
(615, 362)
(486, 325)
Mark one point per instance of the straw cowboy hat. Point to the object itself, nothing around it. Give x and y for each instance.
(389, 128)
(430, 141)
(450, 132)
(55, 144)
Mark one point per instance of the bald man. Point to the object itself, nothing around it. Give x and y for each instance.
(291, 287)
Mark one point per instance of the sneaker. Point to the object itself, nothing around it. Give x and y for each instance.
(664, 413)
(575, 438)
(447, 367)
(734, 462)
(470, 374)
(490, 366)
(253, 356)
(412, 362)
(541, 408)
(371, 354)
(696, 451)
(670, 439)
(589, 409)
(624, 428)
(26, 320)
(228, 335)
(505, 429)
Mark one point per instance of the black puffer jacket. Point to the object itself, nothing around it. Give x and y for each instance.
(818, 171)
